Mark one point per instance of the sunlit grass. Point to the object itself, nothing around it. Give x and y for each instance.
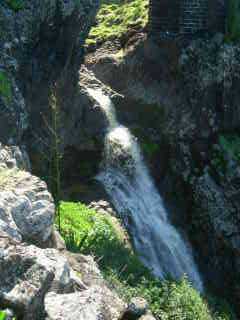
(116, 18)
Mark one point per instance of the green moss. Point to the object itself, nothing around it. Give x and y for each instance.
(15, 5)
(89, 232)
(233, 20)
(116, 18)
(5, 87)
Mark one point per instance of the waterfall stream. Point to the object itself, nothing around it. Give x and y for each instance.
(127, 181)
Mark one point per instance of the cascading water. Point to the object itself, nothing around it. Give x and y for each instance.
(136, 199)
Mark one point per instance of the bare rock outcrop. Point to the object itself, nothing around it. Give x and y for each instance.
(43, 283)
(93, 304)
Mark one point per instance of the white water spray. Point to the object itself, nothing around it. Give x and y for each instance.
(137, 201)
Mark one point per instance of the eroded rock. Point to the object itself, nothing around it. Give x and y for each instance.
(26, 205)
(93, 304)
(137, 307)
(28, 273)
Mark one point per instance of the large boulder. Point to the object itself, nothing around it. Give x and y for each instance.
(92, 304)
(28, 273)
(26, 206)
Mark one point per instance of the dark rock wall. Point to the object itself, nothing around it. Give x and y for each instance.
(193, 17)
(185, 17)
(41, 47)
(164, 16)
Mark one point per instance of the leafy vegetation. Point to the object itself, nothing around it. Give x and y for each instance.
(15, 5)
(2, 315)
(150, 148)
(89, 232)
(229, 146)
(5, 87)
(233, 20)
(116, 17)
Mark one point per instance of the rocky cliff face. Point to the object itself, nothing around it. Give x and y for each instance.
(192, 92)
(177, 101)
(41, 49)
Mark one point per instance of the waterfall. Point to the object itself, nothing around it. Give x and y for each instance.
(127, 181)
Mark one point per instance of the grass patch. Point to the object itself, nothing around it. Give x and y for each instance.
(5, 87)
(89, 232)
(116, 18)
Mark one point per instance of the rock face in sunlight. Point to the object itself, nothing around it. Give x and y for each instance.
(38, 283)
(92, 304)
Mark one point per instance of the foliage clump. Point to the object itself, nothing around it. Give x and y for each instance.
(2, 315)
(5, 87)
(89, 232)
(233, 20)
(116, 17)
(228, 147)
(15, 5)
